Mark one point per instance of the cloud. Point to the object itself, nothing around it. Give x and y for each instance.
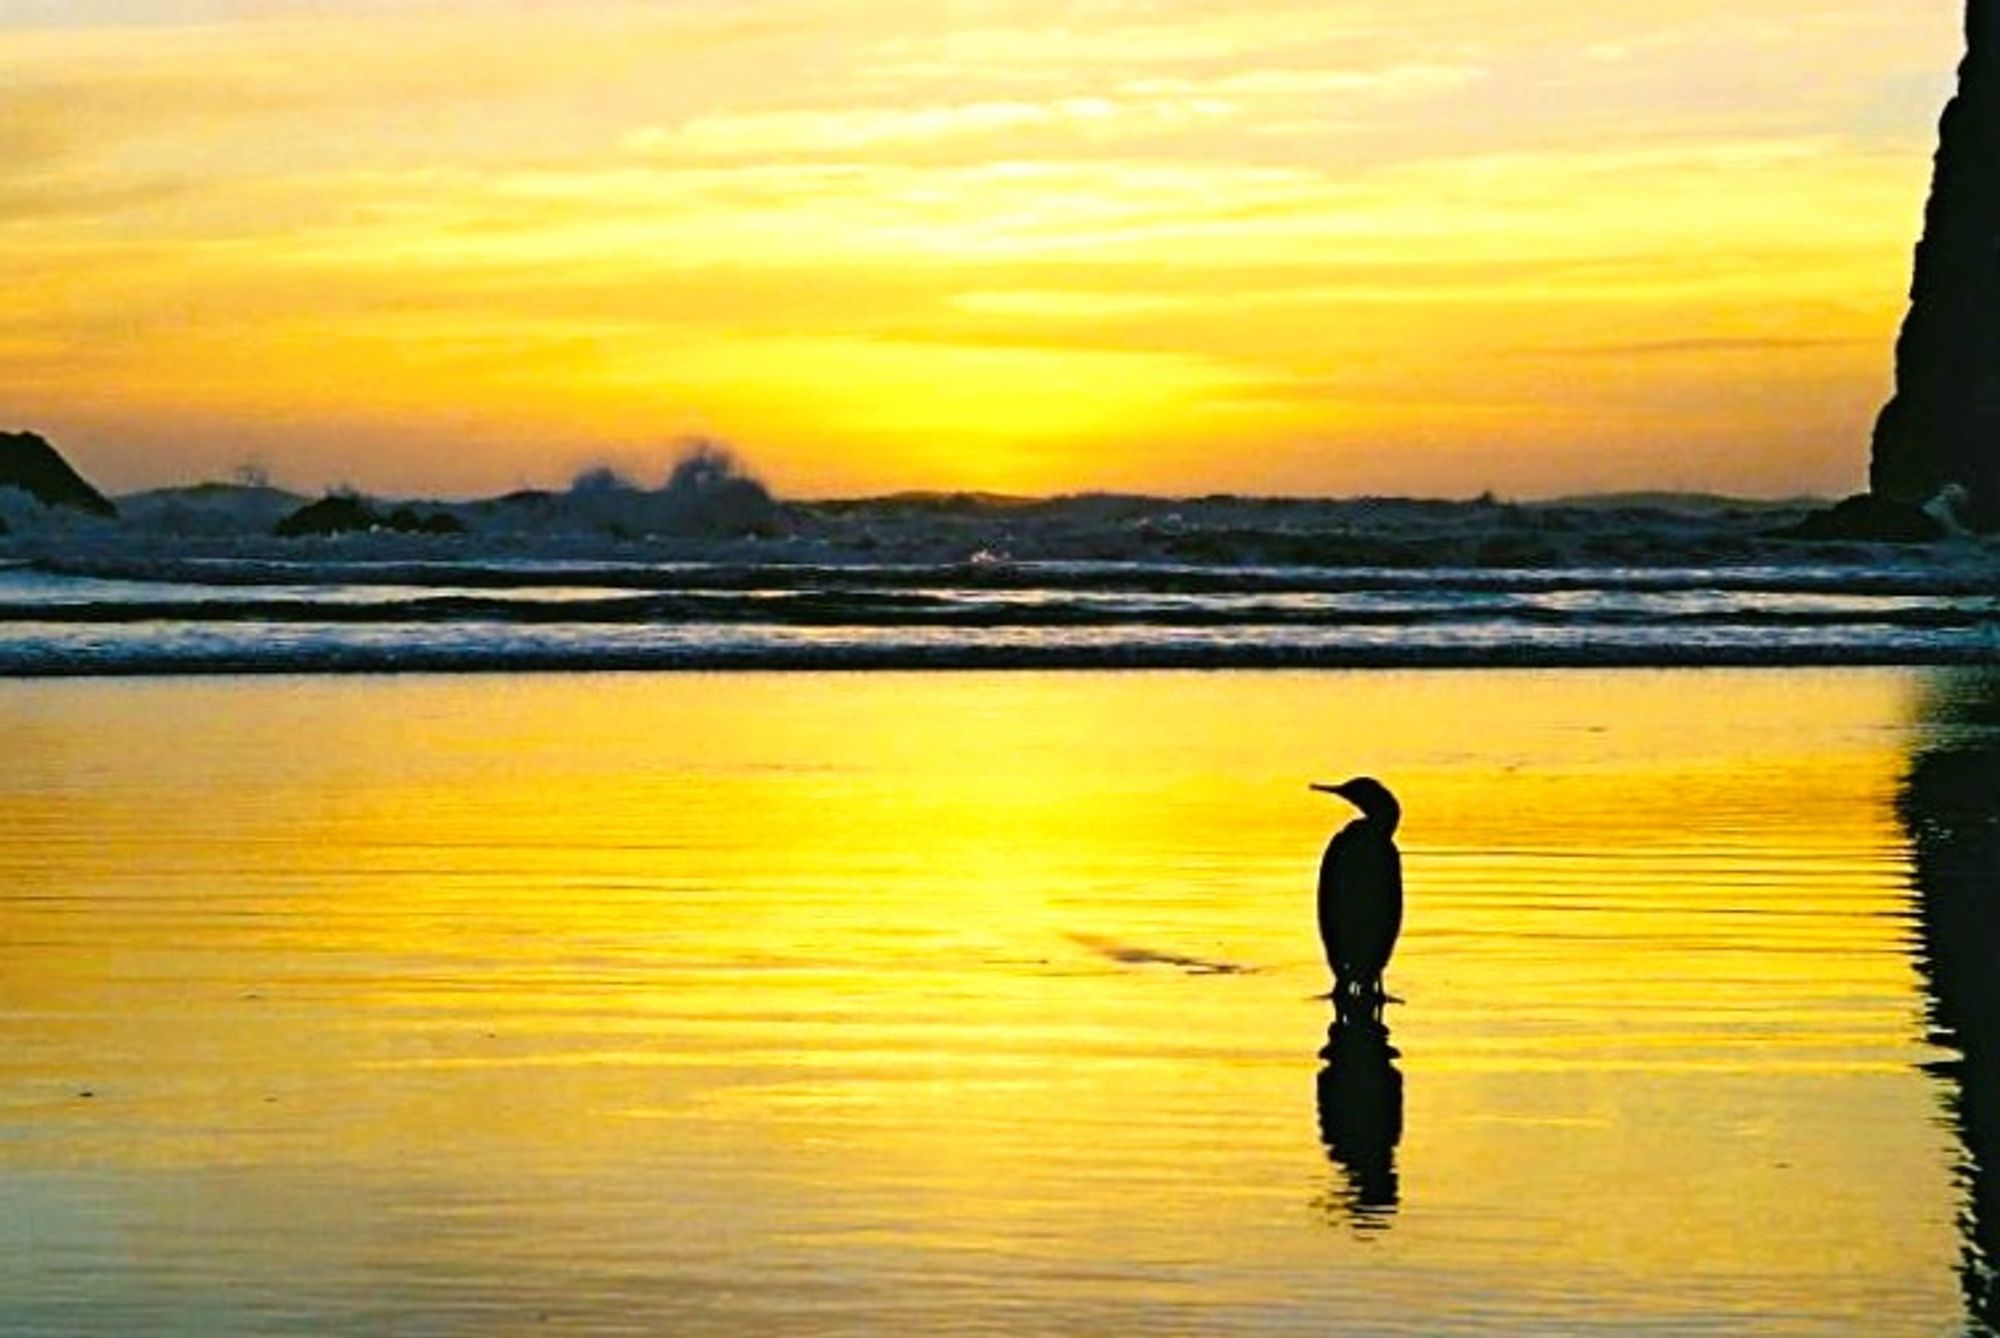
(575, 218)
(1696, 346)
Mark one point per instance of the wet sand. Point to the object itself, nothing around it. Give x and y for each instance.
(876, 1003)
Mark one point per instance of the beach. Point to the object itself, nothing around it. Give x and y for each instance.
(984, 1002)
(1017, 668)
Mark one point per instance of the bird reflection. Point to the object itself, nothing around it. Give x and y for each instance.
(1361, 1116)
(1950, 808)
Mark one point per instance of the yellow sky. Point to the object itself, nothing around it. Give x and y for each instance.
(1326, 246)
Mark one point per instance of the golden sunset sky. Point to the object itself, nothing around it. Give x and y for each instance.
(1295, 246)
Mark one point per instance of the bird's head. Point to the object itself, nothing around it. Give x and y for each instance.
(1369, 795)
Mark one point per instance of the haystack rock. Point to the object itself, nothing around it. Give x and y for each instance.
(1942, 426)
(29, 463)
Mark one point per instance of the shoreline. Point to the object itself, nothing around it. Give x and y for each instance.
(959, 660)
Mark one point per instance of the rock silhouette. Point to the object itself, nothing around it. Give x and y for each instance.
(344, 514)
(1942, 425)
(30, 463)
(329, 515)
(1867, 518)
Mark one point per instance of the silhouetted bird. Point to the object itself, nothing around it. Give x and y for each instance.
(1361, 892)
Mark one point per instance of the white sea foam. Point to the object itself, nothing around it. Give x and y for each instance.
(954, 581)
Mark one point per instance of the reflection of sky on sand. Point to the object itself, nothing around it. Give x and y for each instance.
(786, 1002)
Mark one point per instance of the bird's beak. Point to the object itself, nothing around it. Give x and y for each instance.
(1329, 789)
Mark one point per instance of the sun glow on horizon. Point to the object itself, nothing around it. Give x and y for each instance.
(1033, 246)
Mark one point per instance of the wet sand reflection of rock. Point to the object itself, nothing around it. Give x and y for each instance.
(1950, 808)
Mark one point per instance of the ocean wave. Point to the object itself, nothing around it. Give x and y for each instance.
(44, 649)
(127, 613)
(971, 610)
(1143, 577)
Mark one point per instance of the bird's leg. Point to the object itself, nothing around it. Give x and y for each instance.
(1353, 1002)
(1371, 999)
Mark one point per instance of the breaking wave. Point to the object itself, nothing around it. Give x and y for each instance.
(131, 614)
